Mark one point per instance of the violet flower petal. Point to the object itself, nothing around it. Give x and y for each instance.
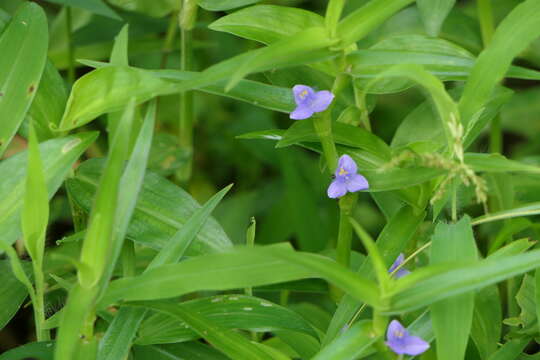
(356, 183)
(399, 260)
(337, 189)
(303, 94)
(301, 112)
(394, 328)
(347, 164)
(322, 100)
(414, 345)
(401, 342)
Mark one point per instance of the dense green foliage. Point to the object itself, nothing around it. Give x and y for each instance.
(156, 201)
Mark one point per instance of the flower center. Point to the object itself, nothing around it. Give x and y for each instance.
(399, 333)
(303, 94)
(342, 172)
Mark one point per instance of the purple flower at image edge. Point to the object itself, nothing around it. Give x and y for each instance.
(401, 272)
(346, 179)
(309, 101)
(401, 342)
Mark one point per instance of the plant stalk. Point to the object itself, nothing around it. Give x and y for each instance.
(71, 51)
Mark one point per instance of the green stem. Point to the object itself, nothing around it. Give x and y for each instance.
(360, 102)
(485, 16)
(250, 242)
(495, 135)
(323, 127)
(185, 136)
(71, 51)
(128, 258)
(344, 240)
(333, 14)
(39, 304)
(170, 36)
(454, 201)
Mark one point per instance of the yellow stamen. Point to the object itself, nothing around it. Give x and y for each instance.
(303, 94)
(398, 334)
(342, 172)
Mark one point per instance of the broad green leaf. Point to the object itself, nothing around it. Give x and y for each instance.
(12, 293)
(443, 103)
(433, 13)
(511, 350)
(353, 136)
(221, 5)
(366, 18)
(23, 46)
(97, 7)
(267, 23)
(487, 321)
(162, 209)
(441, 58)
(349, 346)
(108, 89)
(304, 345)
(118, 338)
(58, 157)
(512, 36)
(430, 284)
(120, 334)
(527, 321)
(524, 210)
(34, 350)
(48, 104)
(35, 212)
(156, 8)
(403, 225)
(229, 342)
(238, 268)
(227, 311)
(498, 163)
(181, 351)
(452, 317)
(100, 237)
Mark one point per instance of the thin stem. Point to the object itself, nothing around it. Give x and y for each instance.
(39, 304)
(495, 135)
(344, 240)
(71, 51)
(323, 127)
(185, 136)
(333, 14)
(360, 102)
(485, 16)
(250, 242)
(170, 36)
(454, 201)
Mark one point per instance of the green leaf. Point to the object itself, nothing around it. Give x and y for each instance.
(430, 284)
(35, 350)
(97, 7)
(348, 135)
(512, 36)
(238, 268)
(498, 163)
(162, 209)
(23, 46)
(182, 351)
(267, 23)
(403, 225)
(229, 342)
(221, 5)
(58, 157)
(48, 104)
(352, 344)
(487, 321)
(452, 317)
(433, 13)
(120, 334)
(227, 311)
(524, 210)
(103, 91)
(12, 293)
(35, 212)
(511, 349)
(156, 8)
(362, 21)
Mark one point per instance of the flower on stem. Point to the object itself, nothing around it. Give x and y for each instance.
(401, 272)
(346, 179)
(309, 101)
(401, 342)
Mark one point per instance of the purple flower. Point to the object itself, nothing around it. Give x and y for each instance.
(401, 272)
(308, 101)
(346, 178)
(401, 342)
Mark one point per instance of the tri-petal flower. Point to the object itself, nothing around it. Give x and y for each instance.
(309, 101)
(401, 342)
(346, 178)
